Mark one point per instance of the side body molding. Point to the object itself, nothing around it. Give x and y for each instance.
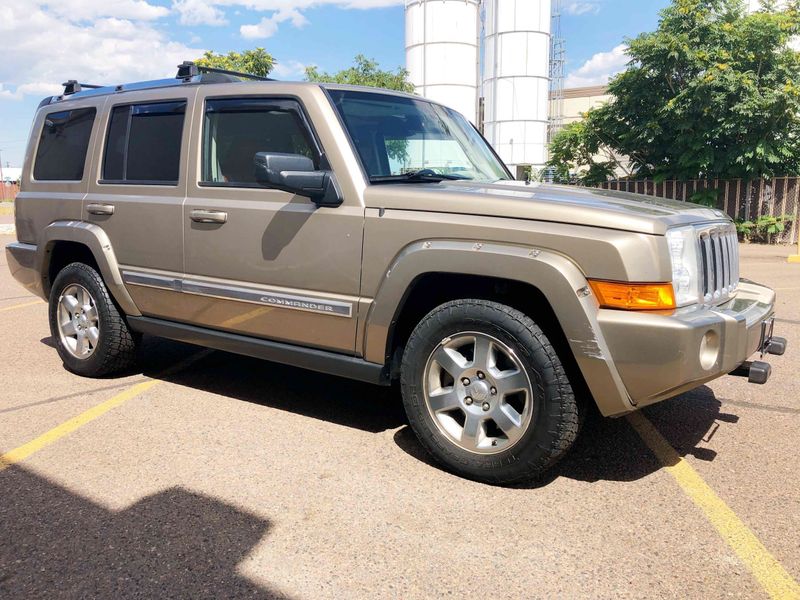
(557, 277)
(93, 237)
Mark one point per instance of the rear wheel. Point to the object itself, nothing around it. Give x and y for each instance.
(91, 336)
(486, 393)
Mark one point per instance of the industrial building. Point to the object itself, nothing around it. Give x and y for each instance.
(501, 64)
(497, 62)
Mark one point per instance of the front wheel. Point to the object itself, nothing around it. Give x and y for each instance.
(91, 336)
(486, 393)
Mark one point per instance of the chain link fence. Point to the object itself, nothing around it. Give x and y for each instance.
(741, 199)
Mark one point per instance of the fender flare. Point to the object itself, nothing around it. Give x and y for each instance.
(555, 275)
(95, 238)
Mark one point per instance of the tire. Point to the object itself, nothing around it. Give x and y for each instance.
(108, 344)
(507, 446)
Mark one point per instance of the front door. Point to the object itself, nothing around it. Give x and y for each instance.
(259, 261)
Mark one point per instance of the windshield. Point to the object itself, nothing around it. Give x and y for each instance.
(405, 139)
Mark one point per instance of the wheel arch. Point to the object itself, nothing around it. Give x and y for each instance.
(64, 242)
(431, 289)
(542, 284)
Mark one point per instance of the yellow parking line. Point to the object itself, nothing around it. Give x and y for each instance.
(23, 305)
(22, 452)
(766, 569)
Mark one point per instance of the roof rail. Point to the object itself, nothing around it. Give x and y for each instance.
(188, 69)
(72, 86)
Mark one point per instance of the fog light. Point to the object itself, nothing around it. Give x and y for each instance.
(709, 349)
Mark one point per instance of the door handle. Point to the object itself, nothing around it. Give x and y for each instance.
(208, 216)
(100, 209)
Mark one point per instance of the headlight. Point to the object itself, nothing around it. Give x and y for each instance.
(682, 242)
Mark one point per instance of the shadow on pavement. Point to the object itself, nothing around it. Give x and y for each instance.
(174, 544)
(338, 400)
(606, 449)
(609, 449)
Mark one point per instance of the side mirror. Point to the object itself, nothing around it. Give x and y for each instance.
(295, 173)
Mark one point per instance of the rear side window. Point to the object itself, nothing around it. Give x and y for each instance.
(61, 153)
(144, 143)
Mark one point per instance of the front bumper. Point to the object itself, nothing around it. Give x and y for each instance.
(21, 260)
(660, 356)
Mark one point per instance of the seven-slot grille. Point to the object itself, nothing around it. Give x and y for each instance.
(719, 261)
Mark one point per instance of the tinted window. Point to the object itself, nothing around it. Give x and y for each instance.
(144, 143)
(62, 146)
(116, 143)
(235, 129)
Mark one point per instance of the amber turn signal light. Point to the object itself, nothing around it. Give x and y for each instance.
(634, 296)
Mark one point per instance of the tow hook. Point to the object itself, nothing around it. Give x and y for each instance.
(756, 371)
(776, 346)
(768, 343)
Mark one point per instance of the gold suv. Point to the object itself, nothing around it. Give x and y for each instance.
(374, 235)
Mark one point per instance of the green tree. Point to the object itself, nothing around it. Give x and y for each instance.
(714, 92)
(255, 62)
(577, 153)
(367, 72)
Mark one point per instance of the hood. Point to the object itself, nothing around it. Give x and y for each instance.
(543, 202)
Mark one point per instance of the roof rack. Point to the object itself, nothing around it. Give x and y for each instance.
(72, 86)
(188, 73)
(188, 69)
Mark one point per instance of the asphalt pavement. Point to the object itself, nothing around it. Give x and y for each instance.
(208, 475)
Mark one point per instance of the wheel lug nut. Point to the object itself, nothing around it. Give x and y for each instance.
(485, 406)
(481, 375)
(468, 400)
(494, 391)
(465, 381)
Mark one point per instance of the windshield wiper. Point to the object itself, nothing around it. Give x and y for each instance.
(421, 176)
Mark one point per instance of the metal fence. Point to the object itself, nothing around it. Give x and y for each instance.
(739, 198)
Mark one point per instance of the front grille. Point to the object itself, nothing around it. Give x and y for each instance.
(719, 258)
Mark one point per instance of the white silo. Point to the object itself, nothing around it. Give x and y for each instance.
(516, 79)
(442, 51)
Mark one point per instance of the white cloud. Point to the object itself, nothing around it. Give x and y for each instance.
(209, 12)
(43, 47)
(289, 69)
(599, 68)
(76, 10)
(198, 12)
(269, 25)
(46, 42)
(576, 7)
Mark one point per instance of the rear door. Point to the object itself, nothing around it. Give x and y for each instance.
(260, 261)
(138, 189)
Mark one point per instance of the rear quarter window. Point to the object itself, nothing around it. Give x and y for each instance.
(61, 154)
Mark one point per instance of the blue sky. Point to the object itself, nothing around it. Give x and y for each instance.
(45, 42)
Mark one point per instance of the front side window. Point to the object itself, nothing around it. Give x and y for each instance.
(405, 139)
(144, 143)
(235, 129)
(61, 153)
